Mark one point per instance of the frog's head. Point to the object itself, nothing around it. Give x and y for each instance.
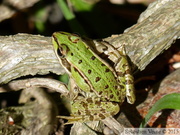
(63, 42)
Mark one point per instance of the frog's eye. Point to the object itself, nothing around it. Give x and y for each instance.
(59, 52)
(62, 50)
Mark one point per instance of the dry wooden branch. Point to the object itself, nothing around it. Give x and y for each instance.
(25, 54)
(155, 31)
(52, 84)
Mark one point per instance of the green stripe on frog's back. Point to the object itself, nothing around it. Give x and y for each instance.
(92, 67)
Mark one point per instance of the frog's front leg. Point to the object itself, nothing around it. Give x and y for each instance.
(89, 109)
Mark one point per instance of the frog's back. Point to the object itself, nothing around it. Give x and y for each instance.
(97, 74)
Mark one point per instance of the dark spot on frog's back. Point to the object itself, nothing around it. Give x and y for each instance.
(72, 54)
(116, 87)
(93, 58)
(102, 65)
(107, 86)
(122, 86)
(117, 93)
(100, 92)
(111, 96)
(89, 71)
(97, 79)
(79, 112)
(107, 70)
(80, 61)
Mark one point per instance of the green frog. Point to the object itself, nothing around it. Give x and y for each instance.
(100, 85)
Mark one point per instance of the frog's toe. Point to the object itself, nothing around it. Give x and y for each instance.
(71, 119)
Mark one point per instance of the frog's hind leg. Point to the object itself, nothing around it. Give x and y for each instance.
(85, 110)
(124, 76)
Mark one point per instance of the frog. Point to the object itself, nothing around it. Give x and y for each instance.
(100, 75)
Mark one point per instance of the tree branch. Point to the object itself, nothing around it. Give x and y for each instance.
(25, 54)
(155, 31)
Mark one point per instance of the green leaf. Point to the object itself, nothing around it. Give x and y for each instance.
(40, 18)
(82, 6)
(170, 101)
(70, 17)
